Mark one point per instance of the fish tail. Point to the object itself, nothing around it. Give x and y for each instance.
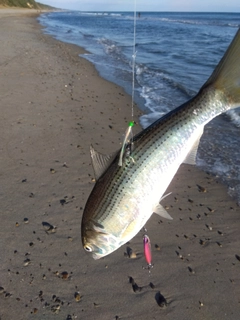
(226, 76)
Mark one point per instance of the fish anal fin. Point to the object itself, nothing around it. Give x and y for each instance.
(162, 212)
(100, 162)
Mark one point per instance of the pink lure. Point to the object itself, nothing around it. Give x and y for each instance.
(147, 250)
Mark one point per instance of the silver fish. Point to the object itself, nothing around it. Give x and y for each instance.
(125, 195)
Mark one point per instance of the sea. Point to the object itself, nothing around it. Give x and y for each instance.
(168, 57)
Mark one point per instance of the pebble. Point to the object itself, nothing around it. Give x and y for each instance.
(135, 287)
(151, 285)
(237, 257)
(132, 255)
(201, 189)
(62, 201)
(56, 308)
(157, 247)
(161, 301)
(77, 296)
(209, 227)
(48, 227)
(179, 255)
(1, 289)
(96, 305)
(25, 220)
(65, 275)
(26, 262)
(56, 299)
(191, 270)
(52, 171)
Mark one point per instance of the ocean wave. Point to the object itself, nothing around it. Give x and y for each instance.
(110, 46)
(93, 13)
(198, 21)
(234, 117)
(147, 119)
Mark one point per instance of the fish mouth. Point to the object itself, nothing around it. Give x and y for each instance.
(102, 252)
(97, 256)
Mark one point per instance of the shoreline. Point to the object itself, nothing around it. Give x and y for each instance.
(53, 106)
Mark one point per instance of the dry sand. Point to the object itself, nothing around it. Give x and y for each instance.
(53, 106)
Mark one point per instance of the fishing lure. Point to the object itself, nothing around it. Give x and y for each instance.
(147, 252)
(125, 141)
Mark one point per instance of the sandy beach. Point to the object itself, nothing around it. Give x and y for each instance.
(54, 105)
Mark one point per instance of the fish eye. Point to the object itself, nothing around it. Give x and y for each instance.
(88, 248)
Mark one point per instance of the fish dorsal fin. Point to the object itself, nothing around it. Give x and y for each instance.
(162, 212)
(191, 156)
(100, 162)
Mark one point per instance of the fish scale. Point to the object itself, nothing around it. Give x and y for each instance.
(125, 196)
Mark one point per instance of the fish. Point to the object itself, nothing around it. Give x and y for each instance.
(126, 194)
(147, 251)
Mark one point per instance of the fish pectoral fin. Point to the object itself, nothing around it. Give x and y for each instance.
(191, 156)
(165, 196)
(162, 212)
(100, 162)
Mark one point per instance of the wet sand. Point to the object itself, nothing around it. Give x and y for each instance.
(53, 106)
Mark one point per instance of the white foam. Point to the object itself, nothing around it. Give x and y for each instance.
(234, 117)
(148, 119)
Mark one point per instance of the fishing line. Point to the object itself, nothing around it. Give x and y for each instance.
(129, 132)
(134, 54)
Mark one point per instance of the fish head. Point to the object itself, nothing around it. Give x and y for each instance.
(97, 241)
